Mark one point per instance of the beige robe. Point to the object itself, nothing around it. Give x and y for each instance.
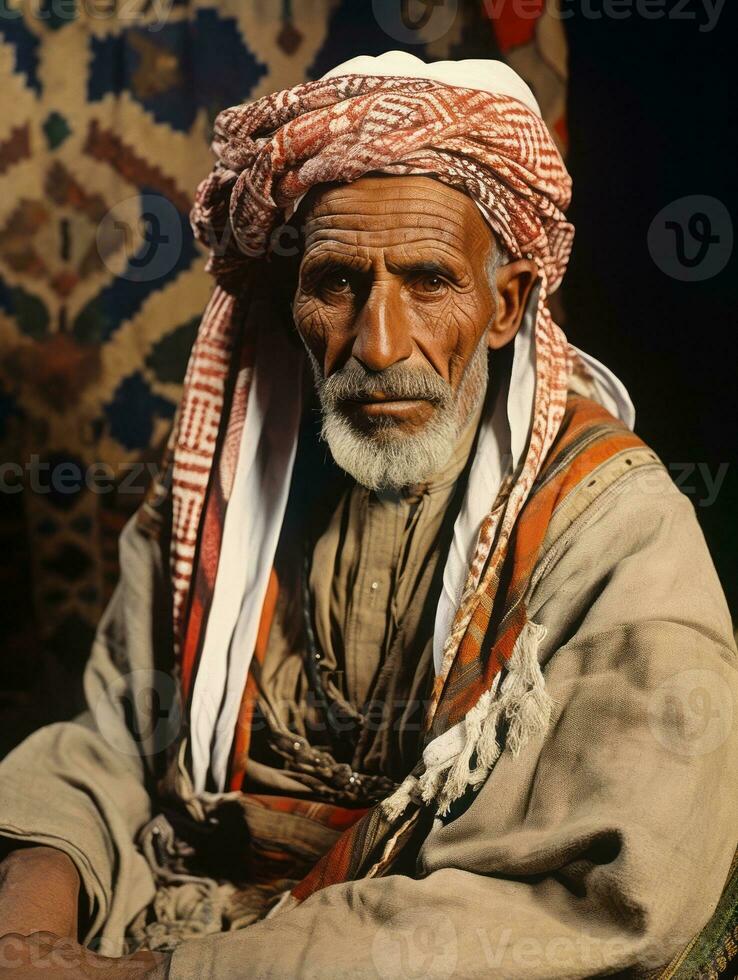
(601, 848)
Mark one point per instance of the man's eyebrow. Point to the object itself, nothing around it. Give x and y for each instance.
(324, 257)
(426, 266)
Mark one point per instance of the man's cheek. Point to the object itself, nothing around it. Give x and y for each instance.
(312, 323)
(464, 330)
(447, 338)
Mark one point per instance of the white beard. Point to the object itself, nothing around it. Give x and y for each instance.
(388, 458)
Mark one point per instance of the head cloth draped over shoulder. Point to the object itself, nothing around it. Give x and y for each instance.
(476, 127)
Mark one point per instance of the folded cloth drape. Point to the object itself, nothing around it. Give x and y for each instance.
(487, 144)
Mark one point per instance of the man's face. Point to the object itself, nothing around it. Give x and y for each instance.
(395, 304)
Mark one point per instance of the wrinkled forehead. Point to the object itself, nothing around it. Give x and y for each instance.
(380, 211)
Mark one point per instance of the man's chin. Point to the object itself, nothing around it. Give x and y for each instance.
(381, 432)
(387, 455)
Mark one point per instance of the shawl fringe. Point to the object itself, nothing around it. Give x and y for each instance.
(520, 702)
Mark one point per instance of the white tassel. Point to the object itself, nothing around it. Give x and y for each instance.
(488, 745)
(286, 902)
(523, 702)
(396, 804)
(528, 705)
(458, 777)
(431, 781)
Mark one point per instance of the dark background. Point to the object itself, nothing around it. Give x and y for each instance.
(651, 119)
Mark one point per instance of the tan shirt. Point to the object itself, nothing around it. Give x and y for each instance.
(375, 576)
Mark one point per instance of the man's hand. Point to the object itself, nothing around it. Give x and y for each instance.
(39, 895)
(39, 892)
(42, 956)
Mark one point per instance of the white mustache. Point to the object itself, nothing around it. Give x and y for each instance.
(355, 383)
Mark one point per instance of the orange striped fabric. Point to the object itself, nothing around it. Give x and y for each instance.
(588, 437)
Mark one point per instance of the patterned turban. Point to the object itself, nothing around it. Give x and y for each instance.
(491, 146)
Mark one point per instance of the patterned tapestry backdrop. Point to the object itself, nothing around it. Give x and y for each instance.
(107, 107)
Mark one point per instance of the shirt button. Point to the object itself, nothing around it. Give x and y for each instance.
(374, 586)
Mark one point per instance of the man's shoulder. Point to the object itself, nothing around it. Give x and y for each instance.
(624, 546)
(593, 462)
(630, 484)
(599, 472)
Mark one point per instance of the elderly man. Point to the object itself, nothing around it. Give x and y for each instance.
(421, 668)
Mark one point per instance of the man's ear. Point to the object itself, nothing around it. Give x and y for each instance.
(514, 283)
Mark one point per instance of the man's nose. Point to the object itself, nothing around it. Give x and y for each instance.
(382, 335)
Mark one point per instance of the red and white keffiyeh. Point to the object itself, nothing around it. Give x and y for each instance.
(490, 144)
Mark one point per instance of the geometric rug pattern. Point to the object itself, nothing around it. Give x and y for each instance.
(104, 135)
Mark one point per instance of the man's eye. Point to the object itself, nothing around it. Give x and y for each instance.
(430, 284)
(336, 282)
